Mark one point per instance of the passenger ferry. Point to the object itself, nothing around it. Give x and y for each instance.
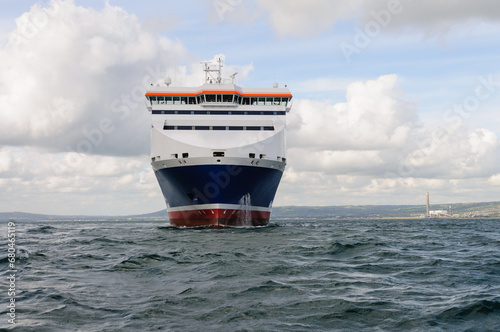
(218, 150)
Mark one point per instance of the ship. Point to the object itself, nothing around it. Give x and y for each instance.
(218, 150)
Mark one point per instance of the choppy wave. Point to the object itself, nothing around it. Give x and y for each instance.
(42, 229)
(316, 275)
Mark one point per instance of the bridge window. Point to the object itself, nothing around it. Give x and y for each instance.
(241, 128)
(218, 98)
(220, 112)
(210, 98)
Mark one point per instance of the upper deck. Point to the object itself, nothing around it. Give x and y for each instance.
(218, 95)
(216, 92)
(217, 119)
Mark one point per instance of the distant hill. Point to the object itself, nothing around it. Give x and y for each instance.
(459, 210)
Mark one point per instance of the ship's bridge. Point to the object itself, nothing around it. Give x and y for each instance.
(220, 96)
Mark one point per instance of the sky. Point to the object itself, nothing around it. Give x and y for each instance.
(392, 99)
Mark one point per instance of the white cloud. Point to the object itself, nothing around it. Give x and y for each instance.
(303, 18)
(432, 16)
(35, 181)
(314, 188)
(494, 180)
(375, 144)
(454, 152)
(73, 79)
(5, 161)
(67, 69)
(307, 17)
(375, 116)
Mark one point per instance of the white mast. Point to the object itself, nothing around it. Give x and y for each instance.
(213, 71)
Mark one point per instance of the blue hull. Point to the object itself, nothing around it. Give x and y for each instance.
(185, 186)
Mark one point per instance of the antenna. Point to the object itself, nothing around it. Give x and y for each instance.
(233, 76)
(210, 68)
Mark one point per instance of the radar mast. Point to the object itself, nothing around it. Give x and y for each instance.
(213, 71)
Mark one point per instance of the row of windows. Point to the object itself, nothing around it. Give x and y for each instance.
(253, 128)
(218, 98)
(223, 112)
(220, 154)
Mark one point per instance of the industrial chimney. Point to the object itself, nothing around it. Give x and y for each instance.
(427, 213)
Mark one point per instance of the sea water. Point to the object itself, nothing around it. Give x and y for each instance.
(293, 275)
